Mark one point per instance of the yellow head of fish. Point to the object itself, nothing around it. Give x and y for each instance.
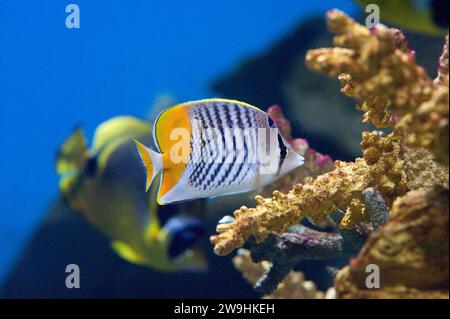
(104, 185)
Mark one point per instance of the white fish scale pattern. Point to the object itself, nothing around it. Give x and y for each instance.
(217, 157)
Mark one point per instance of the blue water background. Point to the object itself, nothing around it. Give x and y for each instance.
(124, 55)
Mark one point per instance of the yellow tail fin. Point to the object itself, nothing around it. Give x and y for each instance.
(152, 161)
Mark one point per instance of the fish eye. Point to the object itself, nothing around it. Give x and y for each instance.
(91, 166)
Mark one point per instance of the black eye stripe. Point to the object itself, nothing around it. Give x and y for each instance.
(283, 151)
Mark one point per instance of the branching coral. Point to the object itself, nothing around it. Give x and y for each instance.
(376, 67)
(380, 68)
(299, 243)
(294, 286)
(411, 251)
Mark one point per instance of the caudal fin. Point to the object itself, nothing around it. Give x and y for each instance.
(152, 162)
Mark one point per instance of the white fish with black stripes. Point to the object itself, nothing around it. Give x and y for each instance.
(215, 147)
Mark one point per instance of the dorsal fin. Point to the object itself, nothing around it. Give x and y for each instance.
(73, 153)
(120, 128)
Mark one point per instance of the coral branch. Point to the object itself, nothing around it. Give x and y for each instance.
(377, 68)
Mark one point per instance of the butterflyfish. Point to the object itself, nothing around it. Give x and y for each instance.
(214, 147)
(103, 184)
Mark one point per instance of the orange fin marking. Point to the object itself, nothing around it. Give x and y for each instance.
(176, 117)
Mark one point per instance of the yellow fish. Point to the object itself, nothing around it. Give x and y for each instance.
(103, 185)
(215, 147)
